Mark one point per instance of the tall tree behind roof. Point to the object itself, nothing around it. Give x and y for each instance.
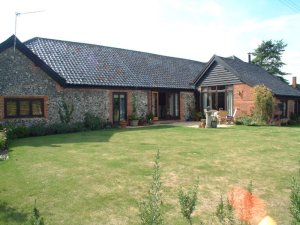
(268, 55)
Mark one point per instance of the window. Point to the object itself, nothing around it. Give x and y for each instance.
(282, 106)
(23, 107)
(218, 97)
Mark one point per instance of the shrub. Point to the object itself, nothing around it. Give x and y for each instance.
(246, 120)
(264, 104)
(197, 116)
(62, 128)
(3, 140)
(149, 117)
(22, 131)
(77, 127)
(225, 212)
(17, 132)
(39, 129)
(35, 218)
(93, 122)
(295, 201)
(188, 202)
(150, 208)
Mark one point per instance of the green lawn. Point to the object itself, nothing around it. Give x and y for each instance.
(98, 177)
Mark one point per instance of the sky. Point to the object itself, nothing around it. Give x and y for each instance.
(190, 29)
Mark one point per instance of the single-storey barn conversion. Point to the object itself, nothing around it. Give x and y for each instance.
(39, 74)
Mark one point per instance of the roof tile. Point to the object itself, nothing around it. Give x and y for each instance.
(95, 65)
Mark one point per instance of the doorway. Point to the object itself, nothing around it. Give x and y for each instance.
(119, 107)
(165, 105)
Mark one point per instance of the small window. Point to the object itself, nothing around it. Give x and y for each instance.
(23, 108)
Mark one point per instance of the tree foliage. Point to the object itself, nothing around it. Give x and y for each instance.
(268, 55)
(264, 104)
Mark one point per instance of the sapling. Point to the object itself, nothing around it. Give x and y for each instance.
(225, 212)
(188, 201)
(35, 218)
(150, 207)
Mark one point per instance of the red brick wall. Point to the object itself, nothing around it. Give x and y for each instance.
(243, 99)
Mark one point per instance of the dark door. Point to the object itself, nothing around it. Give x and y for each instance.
(155, 105)
(119, 107)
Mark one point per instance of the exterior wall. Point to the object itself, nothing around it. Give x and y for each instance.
(187, 105)
(94, 101)
(141, 100)
(291, 108)
(243, 99)
(20, 77)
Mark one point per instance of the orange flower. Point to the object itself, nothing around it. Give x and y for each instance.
(248, 207)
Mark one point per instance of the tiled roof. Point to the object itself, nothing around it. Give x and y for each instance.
(94, 65)
(250, 74)
(254, 75)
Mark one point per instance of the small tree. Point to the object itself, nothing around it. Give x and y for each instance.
(150, 208)
(225, 213)
(65, 112)
(295, 201)
(268, 55)
(35, 218)
(264, 104)
(188, 201)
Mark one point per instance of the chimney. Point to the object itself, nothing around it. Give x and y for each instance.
(294, 82)
(249, 57)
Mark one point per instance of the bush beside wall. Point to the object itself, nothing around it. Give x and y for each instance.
(91, 122)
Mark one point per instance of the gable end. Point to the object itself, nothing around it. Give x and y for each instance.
(15, 42)
(218, 75)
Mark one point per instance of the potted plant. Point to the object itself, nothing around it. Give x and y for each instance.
(142, 121)
(133, 119)
(149, 117)
(214, 122)
(202, 123)
(123, 123)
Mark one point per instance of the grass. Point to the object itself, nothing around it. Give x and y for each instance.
(98, 177)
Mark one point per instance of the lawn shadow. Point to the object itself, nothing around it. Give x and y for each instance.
(9, 214)
(57, 140)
